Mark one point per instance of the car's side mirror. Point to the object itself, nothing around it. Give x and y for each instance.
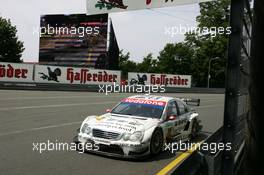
(171, 117)
(108, 110)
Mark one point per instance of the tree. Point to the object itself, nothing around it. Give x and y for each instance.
(148, 65)
(214, 15)
(192, 56)
(10, 47)
(209, 41)
(175, 59)
(125, 64)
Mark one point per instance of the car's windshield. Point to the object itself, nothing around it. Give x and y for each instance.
(141, 108)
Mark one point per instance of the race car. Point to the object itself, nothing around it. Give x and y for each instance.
(140, 125)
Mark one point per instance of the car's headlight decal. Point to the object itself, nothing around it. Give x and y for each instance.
(126, 136)
(86, 129)
(136, 136)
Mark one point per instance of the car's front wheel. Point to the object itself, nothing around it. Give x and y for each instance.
(156, 142)
(75, 140)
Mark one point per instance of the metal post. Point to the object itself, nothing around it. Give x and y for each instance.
(209, 70)
(255, 141)
(233, 89)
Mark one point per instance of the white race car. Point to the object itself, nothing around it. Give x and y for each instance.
(139, 125)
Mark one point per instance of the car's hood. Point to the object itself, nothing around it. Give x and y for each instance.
(121, 123)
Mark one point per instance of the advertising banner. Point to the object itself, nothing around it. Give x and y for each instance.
(71, 75)
(16, 72)
(109, 6)
(168, 80)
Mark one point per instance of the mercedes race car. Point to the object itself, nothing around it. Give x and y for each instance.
(140, 125)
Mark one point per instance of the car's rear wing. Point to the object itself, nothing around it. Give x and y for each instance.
(192, 101)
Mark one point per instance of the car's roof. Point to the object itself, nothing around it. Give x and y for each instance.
(152, 97)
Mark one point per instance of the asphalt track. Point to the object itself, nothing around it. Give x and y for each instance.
(28, 117)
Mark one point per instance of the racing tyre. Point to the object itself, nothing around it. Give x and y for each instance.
(75, 140)
(78, 144)
(195, 129)
(156, 142)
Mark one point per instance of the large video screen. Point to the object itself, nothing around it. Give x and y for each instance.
(73, 40)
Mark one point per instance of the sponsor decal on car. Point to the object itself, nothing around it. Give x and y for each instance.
(99, 118)
(116, 125)
(148, 102)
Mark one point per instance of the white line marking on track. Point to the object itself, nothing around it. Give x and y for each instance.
(54, 106)
(54, 97)
(39, 128)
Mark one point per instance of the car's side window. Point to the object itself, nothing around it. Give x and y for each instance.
(182, 108)
(171, 108)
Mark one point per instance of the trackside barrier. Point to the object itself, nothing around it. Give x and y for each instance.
(202, 162)
(176, 81)
(214, 161)
(47, 74)
(47, 77)
(193, 165)
(15, 72)
(73, 75)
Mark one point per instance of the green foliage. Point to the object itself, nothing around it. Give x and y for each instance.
(175, 59)
(191, 57)
(148, 65)
(193, 54)
(10, 47)
(125, 64)
(214, 14)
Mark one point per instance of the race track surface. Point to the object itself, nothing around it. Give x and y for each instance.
(28, 117)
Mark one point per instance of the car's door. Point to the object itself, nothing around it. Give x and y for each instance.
(183, 113)
(171, 118)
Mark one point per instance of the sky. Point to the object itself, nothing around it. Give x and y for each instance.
(138, 32)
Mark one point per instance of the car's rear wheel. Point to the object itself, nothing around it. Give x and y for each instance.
(195, 129)
(156, 142)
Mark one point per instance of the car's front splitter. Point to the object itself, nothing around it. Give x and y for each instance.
(116, 150)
